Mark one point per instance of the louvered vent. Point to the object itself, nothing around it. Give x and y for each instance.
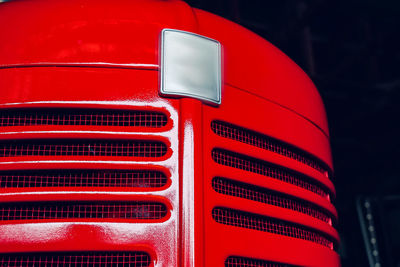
(82, 210)
(265, 142)
(236, 261)
(50, 147)
(255, 193)
(111, 161)
(270, 225)
(83, 178)
(253, 165)
(75, 259)
(82, 117)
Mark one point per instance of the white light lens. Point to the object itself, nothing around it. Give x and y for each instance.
(190, 66)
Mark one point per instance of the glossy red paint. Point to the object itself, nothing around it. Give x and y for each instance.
(84, 54)
(160, 239)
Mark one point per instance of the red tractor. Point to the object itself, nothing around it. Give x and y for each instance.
(149, 133)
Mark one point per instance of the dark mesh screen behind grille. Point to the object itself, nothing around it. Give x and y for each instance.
(134, 148)
(242, 162)
(255, 139)
(267, 224)
(82, 117)
(234, 261)
(81, 210)
(75, 259)
(247, 191)
(83, 178)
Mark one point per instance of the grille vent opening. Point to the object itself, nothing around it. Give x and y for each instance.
(134, 148)
(75, 259)
(82, 117)
(250, 137)
(267, 224)
(259, 194)
(236, 261)
(253, 165)
(82, 210)
(83, 178)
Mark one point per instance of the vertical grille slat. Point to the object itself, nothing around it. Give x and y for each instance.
(75, 259)
(82, 117)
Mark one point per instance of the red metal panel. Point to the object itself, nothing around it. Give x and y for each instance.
(252, 244)
(101, 34)
(53, 86)
(91, 89)
(84, 54)
(254, 65)
(83, 31)
(252, 112)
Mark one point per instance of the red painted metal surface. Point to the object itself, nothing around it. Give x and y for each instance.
(283, 125)
(73, 71)
(159, 238)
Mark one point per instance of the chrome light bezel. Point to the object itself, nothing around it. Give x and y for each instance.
(180, 71)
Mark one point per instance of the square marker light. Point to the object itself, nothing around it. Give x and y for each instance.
(190, 66)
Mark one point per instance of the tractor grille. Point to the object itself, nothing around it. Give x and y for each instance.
(303, 214)
(128, 259)
(265, 142)
(134, 148)
(83, 178)
(112, 162)
(82, 210)
(82, 117)
(267, 224)
(255, 193)
(235, 261)
(253, 165)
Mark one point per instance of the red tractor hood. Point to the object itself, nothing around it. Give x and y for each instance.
(125, 33)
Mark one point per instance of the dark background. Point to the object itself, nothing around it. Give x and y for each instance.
(350, 49)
